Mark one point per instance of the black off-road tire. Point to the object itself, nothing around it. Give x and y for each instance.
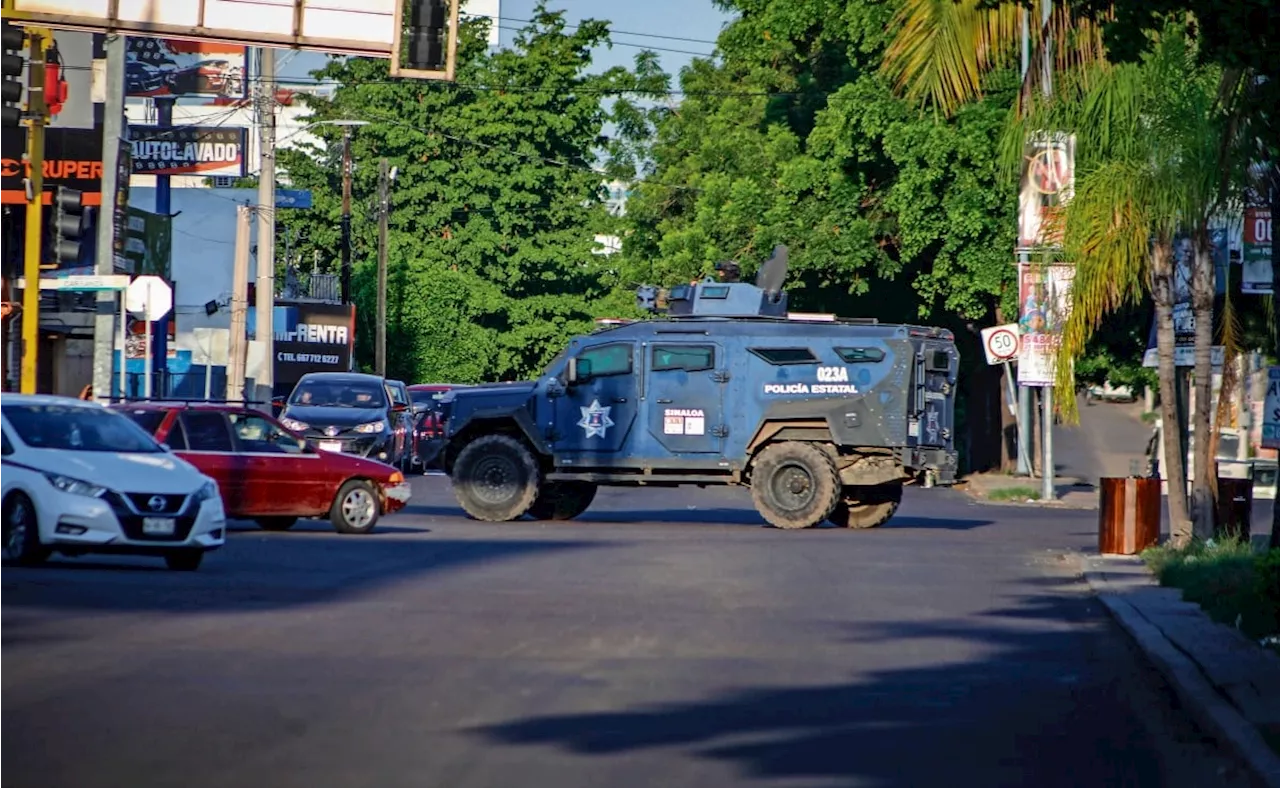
(562, 500)
(867, 506)
(496, 478)
(184, 560)
(276, 523)
(794, 485)
(355, 509)
(20, 512)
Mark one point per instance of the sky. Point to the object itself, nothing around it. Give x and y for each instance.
(691, 19)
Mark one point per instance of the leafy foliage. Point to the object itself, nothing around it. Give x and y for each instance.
(495, 203)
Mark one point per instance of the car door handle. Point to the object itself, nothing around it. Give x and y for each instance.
(618, 400)
(665, 401)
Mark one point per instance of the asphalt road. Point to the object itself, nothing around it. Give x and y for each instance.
(665, 639)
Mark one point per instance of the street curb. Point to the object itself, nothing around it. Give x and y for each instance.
(1213, 713)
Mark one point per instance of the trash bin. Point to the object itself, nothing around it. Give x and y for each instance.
(1234, 508)
(1128, 514)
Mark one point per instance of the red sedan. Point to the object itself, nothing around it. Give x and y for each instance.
(267, 473)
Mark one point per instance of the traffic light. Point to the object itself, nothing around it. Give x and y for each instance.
(55, 87)
(12, 65)
(428, 42)
(72, 224)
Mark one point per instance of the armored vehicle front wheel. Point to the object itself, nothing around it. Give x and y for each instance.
(562, 500)
(794, 484)
(496, 478)
(867, 506)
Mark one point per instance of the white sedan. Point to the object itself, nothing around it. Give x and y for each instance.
(81, 478)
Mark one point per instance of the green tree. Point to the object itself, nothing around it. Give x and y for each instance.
(796, 137)
(495, 204)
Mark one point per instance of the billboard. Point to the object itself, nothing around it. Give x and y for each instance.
(72, 158)
(310, 337)
(1046, 184)
(1255, 279)
(174, 67)
(1044, 304)
(188, 150)
(355, 27)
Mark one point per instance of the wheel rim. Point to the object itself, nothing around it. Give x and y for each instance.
(496, 480)
(15, 529)
(793, 487)
(358, 508)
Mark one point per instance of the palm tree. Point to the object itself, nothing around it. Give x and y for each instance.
(1155, 138)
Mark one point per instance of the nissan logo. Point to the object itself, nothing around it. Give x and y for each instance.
(330, 431)
(156, 503)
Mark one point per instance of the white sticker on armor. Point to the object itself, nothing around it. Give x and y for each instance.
(684, 421)
(833, 375)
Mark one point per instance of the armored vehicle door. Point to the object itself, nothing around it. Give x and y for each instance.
(935, 398)
(684, 396)
(599, 406)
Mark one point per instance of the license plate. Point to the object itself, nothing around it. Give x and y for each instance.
(157, 526)
(330, 445)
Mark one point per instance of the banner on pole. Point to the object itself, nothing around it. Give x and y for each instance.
(1044, 304)
(1255, 279)
(1047, 183)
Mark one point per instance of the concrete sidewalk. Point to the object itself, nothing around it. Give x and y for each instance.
(1230, 685)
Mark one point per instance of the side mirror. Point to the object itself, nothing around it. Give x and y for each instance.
(399, 408)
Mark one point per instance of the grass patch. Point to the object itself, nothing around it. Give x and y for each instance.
(1226, 578)
(1149, 417)
(1014, 494)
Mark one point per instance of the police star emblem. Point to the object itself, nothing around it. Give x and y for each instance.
(595, 420)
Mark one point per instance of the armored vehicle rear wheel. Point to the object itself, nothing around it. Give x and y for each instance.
(496, 478)
(562, 500)
(794, 484)
(867, 506)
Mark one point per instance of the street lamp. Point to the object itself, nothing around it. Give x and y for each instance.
(346, 125)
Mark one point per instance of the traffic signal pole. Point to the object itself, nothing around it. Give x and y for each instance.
(35, 207)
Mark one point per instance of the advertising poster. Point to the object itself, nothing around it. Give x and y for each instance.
(1184, 320)
(1044, 304)
(171, 67)
(1255, 279)
(1271, 411)
(1047, 183)
(148, 243)
(309, 337)
(73, 158)
(188, 150)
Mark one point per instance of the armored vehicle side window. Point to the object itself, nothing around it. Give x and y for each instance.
(860, 355)
(690, 358)
(605, 360)
(786, 355)
(939, 361)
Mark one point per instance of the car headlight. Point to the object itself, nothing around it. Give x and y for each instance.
(373, 426)
(75, 486)
(293, 424)
(207, 492)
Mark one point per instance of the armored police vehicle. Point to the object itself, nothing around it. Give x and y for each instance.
(823, 420)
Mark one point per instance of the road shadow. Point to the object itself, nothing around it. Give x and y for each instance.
(258, 574)
(1009, 697)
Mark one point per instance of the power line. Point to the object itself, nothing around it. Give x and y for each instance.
(610, 30)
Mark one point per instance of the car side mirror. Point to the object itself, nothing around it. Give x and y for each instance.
(399, 408)
(579, 370)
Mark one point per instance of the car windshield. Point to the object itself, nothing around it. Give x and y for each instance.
(339, 394)
(78, 428)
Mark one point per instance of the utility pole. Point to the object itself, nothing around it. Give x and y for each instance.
(238, 349)
(383, 211)
(104, 335)
(266, 284)
(35, 207)
(1047, 491)
(346, 215)
(1025, 411)
(157, 358)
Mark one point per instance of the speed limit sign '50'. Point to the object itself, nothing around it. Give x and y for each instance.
(1000, 343)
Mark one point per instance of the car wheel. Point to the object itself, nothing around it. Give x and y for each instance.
(355, 509)
(867, 506)
(794, 485)
(276, 523)
(562, 500)
(22, 531)
(184, 560)
(496, 478)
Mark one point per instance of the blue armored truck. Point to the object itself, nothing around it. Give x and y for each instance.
(824, 420)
